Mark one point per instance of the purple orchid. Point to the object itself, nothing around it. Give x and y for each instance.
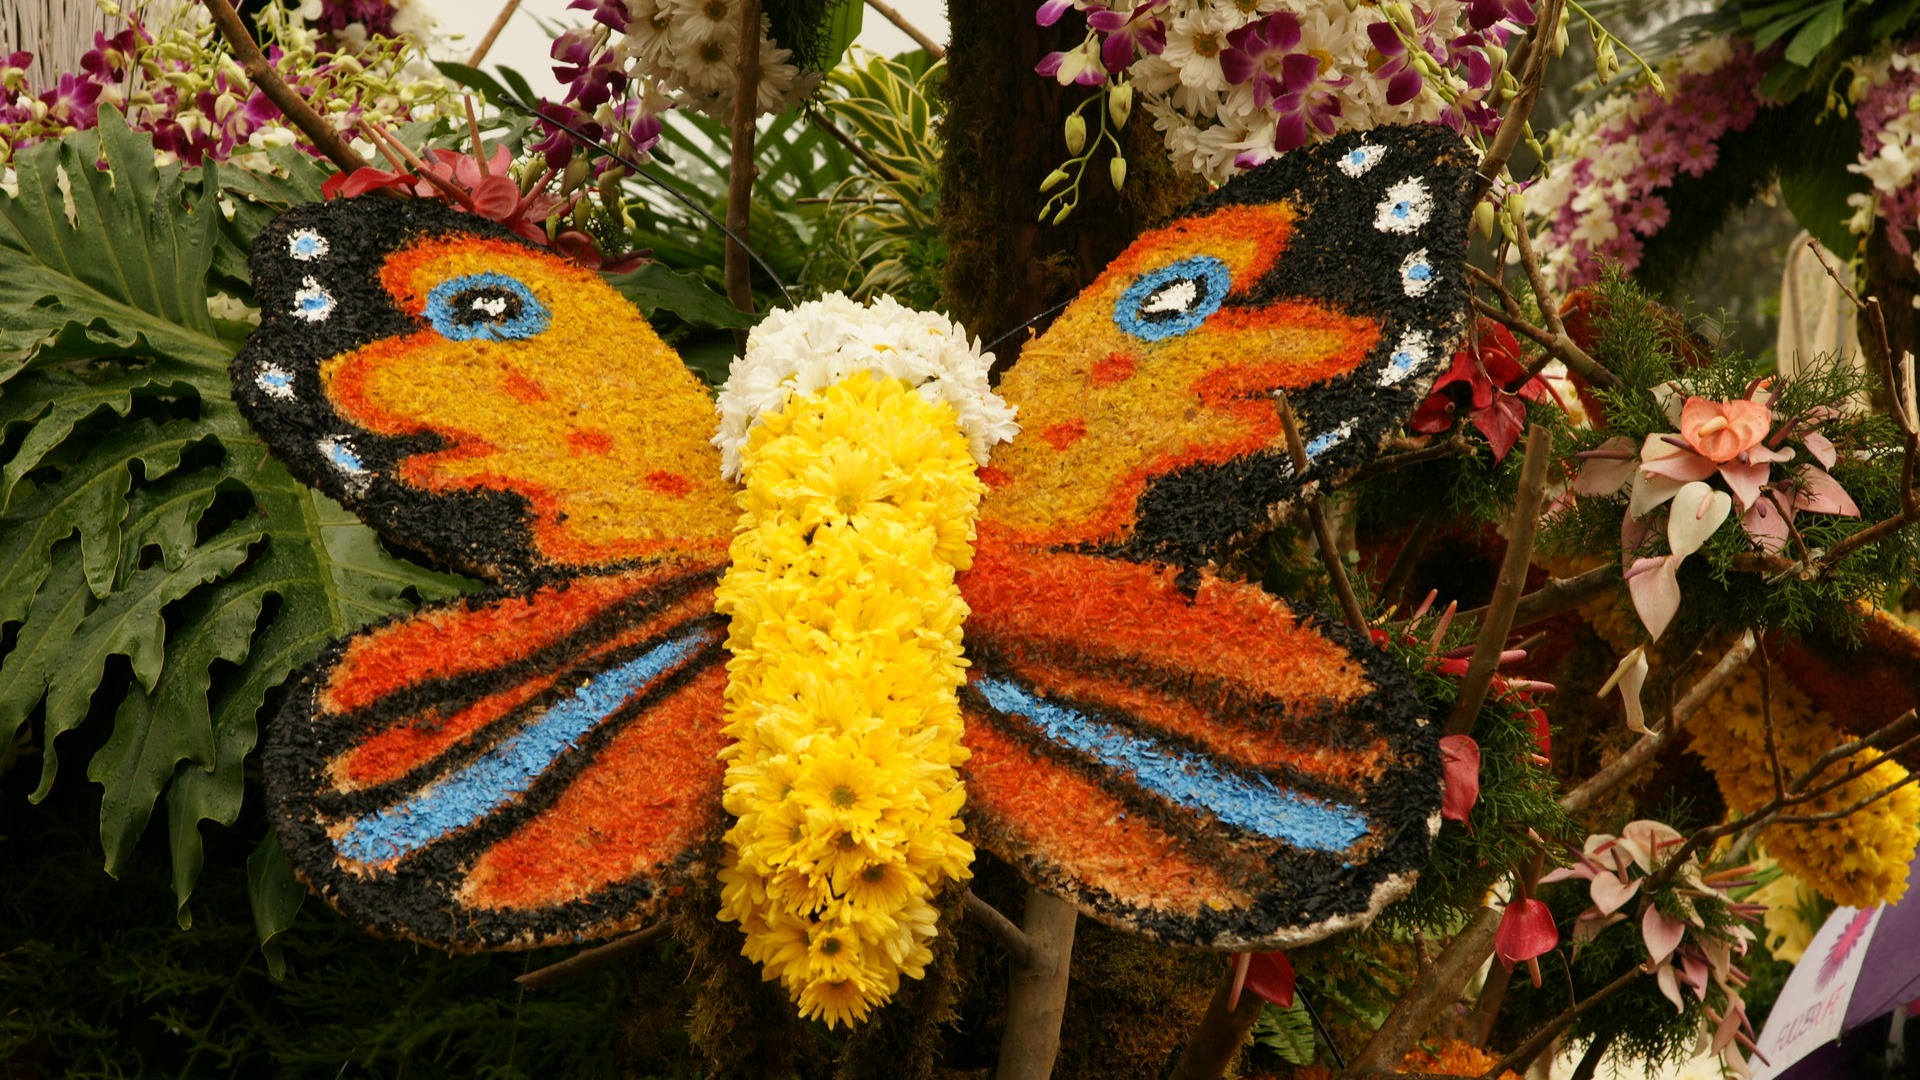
(1128, 36)
(1402, 78)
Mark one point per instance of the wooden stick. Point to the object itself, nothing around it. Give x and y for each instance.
(291, 105)
(1219, 1035)
(1322, 532)
(499, 23)
(1433, 993)
(1556, 596)
(1037, 992)
(593, 959)
(1001, 927)
(1637, 755)
(892, 15)
(1524, 1054)
(1498, 622)
(741, 169)
(1513, 124)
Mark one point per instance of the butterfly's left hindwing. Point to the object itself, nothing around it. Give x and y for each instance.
(1208, 766)
(514, 770)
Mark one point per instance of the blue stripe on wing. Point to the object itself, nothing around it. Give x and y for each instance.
(1247, 801)
(507, 770)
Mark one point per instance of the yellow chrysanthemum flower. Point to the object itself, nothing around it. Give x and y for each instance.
(858, 508)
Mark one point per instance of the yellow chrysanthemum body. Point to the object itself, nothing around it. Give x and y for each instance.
(1858, 860)
(858, 510)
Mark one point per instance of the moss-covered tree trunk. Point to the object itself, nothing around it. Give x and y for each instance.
(1003, 135)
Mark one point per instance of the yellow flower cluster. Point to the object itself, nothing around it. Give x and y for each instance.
(858, 510)
(1858, 860)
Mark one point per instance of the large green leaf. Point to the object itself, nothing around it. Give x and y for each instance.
(165, 574)
(122, 271)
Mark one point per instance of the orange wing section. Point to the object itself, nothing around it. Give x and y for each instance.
(1104, 411)
(595, 421)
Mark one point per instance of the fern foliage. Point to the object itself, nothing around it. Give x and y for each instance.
(160, 574)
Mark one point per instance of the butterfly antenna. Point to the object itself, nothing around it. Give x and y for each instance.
(642, 171)
(1049, 313)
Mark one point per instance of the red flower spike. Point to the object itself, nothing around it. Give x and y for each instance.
(1526, 932)
(1270, 974)
(1460, 757)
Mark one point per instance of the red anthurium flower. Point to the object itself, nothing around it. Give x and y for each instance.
(1488, 381)
(1526, 932)
(1268, 974)
(1460, 757)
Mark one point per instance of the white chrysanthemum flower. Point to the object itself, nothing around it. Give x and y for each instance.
(805, 349)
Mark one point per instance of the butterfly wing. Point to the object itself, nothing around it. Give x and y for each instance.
(513, 770)
(1335, 273)
(1207, 766)
(473, 396)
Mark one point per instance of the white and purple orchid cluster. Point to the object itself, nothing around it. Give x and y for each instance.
(1233, 83)
(639, 58)
(1612, 165)
(1886, 101)
(177, 83)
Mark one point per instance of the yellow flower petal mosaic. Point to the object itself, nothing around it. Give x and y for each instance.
(858, 510)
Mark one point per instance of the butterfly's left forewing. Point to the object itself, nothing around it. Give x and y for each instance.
(511, 770)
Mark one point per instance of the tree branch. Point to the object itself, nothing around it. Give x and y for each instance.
(1431, 995)
(1523, 1055)
(892, 15)
(1219, 1035)
(593, 959)
(1506, 591)
(1037, 994)
(1636, 757)
(741, 171)
(1557, 596)
(1513, 124)
(1001, 927)
(1322, 531)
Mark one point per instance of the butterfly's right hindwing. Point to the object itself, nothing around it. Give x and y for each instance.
(511, 770)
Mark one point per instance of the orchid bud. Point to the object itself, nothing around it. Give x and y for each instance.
(1606, 62)
(1659, 85)
(577, 171)
(1400, 15)
(1062, 215)
(224, 105)
(1117, 172)
(112, 94)
(1054, 179)
(1560, 36)
(581, 211)
(1484, 219)
(1120, 104)
(1076, 134)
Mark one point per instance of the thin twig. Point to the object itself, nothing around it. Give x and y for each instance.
(892, 15)
(1407, 559)
(1386, 463)
(1513, 124)
(1556, 597)
(486, 43)
(1316, 515)
(1615, 773)
(593, 959)
(1506, 591)
(1523, 1055)
(825, 123)
(1008, 935)
(291, 105)
(741, 169)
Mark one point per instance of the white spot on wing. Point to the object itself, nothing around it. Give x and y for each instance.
(312, 302)
(1358, 160)
(1406, 209)
(1416, 273)
(307, 245)
(1414, 352)
(274, 381)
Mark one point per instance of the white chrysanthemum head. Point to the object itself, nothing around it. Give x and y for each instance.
(805, 349)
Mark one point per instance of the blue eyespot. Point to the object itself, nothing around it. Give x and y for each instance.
(1173, 299)
(485, 306)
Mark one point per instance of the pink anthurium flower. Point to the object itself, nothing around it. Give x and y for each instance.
(1460, 757)
(1662, 933)
(1630, 675)
(1721, 431)
(1698, 511)
(1268, 974)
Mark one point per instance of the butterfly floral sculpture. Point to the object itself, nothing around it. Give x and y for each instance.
(673, 671)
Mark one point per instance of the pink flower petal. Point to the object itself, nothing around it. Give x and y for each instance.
(1767, 525)
(1602, 476)
(1610, 893)
(1661, 934)
(1655, 587)
(1670, 986)
(1745, 481)
(1817, 490)
(1698, 512)
(1820, 447)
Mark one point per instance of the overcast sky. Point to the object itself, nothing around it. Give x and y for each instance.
(523, 46)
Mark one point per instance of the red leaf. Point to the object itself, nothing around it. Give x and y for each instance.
(1460, 758)
(1270, 974)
